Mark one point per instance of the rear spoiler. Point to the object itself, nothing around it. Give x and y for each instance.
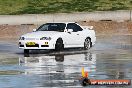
(88, 27)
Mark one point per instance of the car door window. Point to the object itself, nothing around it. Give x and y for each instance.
(74, 26)
(78, 28)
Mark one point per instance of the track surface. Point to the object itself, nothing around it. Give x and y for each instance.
(110, 58)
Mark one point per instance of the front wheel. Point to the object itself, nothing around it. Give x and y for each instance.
(59, 45)
(87, 44)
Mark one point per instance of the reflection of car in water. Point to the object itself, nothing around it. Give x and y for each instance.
(59, 58)
(59, 63)
(58, 36)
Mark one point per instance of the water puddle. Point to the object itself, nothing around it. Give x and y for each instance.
(110, 58)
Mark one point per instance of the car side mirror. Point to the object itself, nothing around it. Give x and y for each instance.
(70, 30)
(34, 30)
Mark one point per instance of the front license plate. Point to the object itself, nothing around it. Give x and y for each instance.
(30, 43)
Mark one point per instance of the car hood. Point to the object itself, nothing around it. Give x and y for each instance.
(39, 34)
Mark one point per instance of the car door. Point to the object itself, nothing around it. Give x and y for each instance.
(80, 33)
(74, 37)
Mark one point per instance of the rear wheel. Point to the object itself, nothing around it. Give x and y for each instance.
(59, 45)
(26, 51)
(87, 44)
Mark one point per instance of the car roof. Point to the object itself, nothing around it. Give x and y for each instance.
(62, 22)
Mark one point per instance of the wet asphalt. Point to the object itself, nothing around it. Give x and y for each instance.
(110, 58)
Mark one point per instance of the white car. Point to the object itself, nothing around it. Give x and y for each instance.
(58, 36)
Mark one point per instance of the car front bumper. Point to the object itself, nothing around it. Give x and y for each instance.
(39, 44)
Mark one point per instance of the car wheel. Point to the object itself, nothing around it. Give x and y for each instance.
(87, 44)
(59, 45)
(26, 51)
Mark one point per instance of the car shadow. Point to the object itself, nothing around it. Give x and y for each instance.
(68, 51)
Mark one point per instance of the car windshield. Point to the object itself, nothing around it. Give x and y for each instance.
(52, 27)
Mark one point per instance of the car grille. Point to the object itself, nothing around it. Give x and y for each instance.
(36, 45)
(44, 45)
(21, 45)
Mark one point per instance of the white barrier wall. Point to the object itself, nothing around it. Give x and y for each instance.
(64, 17)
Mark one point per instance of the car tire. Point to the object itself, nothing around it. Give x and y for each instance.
(59, 46)
(87, 44)
(26, 51)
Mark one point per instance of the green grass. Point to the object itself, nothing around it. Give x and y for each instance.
(61, 6)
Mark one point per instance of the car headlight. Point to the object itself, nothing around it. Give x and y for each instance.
(45, 38)
(22, 38)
